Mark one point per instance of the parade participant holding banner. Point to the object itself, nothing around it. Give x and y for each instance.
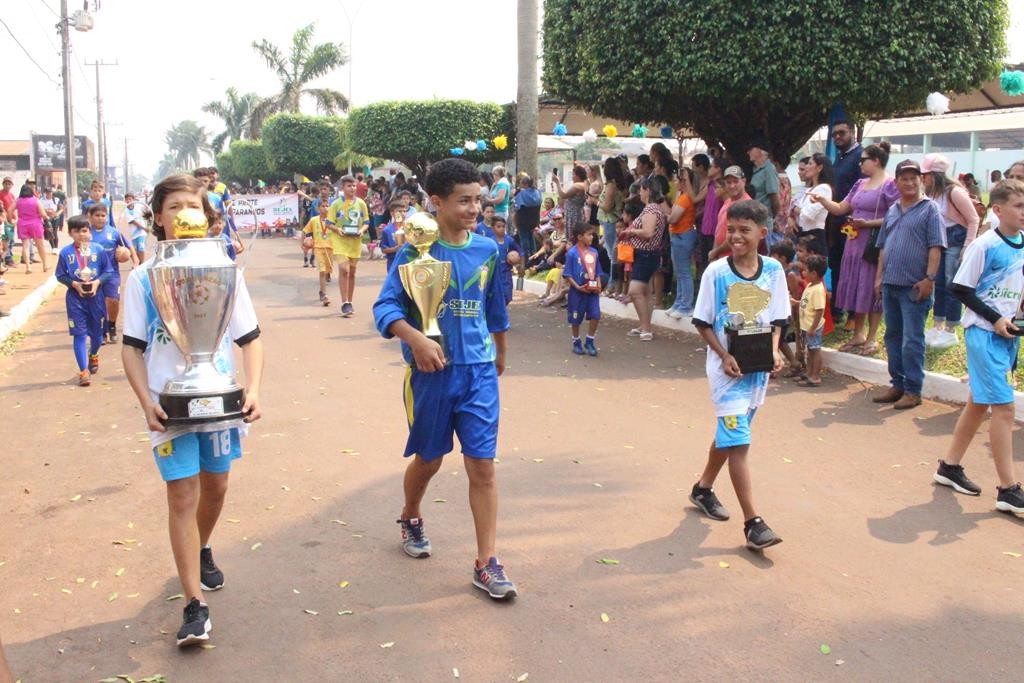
(583, 273)
(447, 308)
(193, 456)
(348, 219)
(84, 268)
(740, 296)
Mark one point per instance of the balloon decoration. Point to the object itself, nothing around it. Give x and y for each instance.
(589, 135)
(470, 145)
(1012, 82)
(667, 132)
(610, 131)
(481, 145)
(457, 151)
(639, 131)
(937, 104)
(500, 142)
(560, 129)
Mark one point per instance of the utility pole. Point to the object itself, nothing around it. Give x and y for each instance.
(101, 131)
(126, 165)
(69, 126)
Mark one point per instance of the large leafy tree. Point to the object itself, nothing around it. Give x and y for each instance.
(303, 144)
(235, 111)
(167, 166)
(418, 133)
(732, 71)
(244, 162)
(304, 64)
(187, 141)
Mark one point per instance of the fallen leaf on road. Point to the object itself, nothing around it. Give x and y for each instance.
(343, 584)
(538, 459)
(131, 525)
(825, 649)
(1011, 553)
(723, 565)
(344, 613)
(269, 507)
(607, 560)
(296, 591)
(232, 521)
(256, 546)
(347, 451)
(285, 488)
(387, 645)
(80, 580)
(66, 590)
(338, 521)
(598, 485)
(455, 673)
(119, 573)
(628, 447)
(207, 646)
(76, 498)
(315, 497)
(440, 500)
(17, 611)
(786, 460)
(112, 597)
(311, 612)
(522, 678)
(94, 584)
(176, 596)
(605, 618)
(840, 662)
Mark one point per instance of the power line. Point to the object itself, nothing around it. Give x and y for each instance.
(27, 54)
(47, 6)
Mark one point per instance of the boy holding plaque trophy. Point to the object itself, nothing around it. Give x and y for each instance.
(183, 309)
(443, 300)
(583, 273)
(84, 268)
(741, 309)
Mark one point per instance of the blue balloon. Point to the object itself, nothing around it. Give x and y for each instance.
(457, 151)
(666, 131)
(560, 129)
(481, 146)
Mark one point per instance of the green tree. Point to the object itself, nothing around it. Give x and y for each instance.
(187, 141)
(84, 178)
(167, 166)
(244, 162)
(732, 71)
(299, 143)
(235, 111)
(418, 133)
(305, 63)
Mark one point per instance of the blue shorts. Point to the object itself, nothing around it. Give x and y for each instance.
(86, 318)
(185, 455)
(812, 340)
(990, 360)
(734, 430)
(111, 288)
(139, 243)
(583, 306)
(462, 400)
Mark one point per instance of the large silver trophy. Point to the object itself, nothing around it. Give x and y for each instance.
(193, 283)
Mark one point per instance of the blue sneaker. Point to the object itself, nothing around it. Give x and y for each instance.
(589, 346)
(414, 540)
(491, 578)
(577, 347)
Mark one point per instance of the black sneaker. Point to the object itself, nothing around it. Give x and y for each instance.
(112, 335)
(759, 535)
(347, 310)
(196, 627)
(211, 578)
(1010, 499)
(954, 477)
(708, 502)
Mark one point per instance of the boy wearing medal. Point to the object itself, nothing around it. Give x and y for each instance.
(317, 227)
(737, 279)
(459, 396)
(583, 273)
(348, 219)
(194, 460)
(84, 269)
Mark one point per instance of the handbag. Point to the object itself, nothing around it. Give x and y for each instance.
(872, 251)
(624, 252)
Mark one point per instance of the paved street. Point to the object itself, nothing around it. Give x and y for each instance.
(900, 579)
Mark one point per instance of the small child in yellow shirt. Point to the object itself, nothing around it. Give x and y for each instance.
(812, 317)
(322, 249)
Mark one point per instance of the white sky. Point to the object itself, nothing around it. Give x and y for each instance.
(173, 57)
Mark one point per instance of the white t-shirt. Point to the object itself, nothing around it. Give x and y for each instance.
(163, 358)
(812, 216)
(994, 268)
(134, 216)
(738, 395)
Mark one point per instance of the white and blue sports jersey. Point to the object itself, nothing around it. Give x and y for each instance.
(144, 330)
(473, 306)
(738, 395)
(109, 239)
(134, 214)
(993, 267)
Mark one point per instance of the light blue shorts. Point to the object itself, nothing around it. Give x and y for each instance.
(186, 455)
(139, 243)
(734, 430)
(990, 365)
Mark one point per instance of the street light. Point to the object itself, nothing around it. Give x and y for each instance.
(351, 23)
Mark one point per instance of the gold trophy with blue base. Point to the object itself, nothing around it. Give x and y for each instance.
(425, 279)
(749, 342)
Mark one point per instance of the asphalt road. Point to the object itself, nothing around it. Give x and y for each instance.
(901, 580)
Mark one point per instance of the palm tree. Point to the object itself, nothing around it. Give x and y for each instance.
(305, 63)
(167, 166)
(187, 140)
(527, 103)
(235, 112)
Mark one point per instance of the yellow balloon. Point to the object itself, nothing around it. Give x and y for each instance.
(610, 131)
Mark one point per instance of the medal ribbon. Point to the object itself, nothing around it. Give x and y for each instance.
(82, 263)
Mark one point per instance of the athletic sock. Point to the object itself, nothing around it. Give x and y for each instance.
(575, 339)
(590, 338)
(78, 344)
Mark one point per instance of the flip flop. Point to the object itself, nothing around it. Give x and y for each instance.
(806, 382)
(794, 373)
(850, 346)
(869, 349)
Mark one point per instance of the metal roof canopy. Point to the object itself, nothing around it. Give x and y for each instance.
(965, 122)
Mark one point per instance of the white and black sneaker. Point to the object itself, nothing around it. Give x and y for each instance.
(195, 627)
(708, 502)
(954, 477)
(1010, 499)
(211, 578)
(759, 535)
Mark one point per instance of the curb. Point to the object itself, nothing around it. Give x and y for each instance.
(871, 370)
(23, 310)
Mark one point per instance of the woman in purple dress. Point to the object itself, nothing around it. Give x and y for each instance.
(868, 201)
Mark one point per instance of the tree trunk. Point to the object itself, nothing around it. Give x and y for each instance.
(526, 97)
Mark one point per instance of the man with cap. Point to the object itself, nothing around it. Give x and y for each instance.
(735, 191)
(764, 180)
(911, 243)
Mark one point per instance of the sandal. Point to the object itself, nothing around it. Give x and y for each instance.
(646, 336)
(635, 332)
(794, 373)
(869, 349)
(807, 382)
(849, 346)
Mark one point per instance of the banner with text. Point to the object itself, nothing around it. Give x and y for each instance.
(268, 211)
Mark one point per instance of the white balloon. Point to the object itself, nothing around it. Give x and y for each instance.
(589, 135)
(471, 145)
(937, 104)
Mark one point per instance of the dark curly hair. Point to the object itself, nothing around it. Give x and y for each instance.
(444, 175)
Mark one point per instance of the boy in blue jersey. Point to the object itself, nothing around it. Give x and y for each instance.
(460, 397)
(509, 254)
(989, 283)
(736, 396)
(194, 460)
(96, 197)
(83, 269)
(584, 299)
(392, 237)
(110, 239)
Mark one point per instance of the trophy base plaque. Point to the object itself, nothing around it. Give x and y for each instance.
(190, 409)
(87, 286)
(752, 348)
